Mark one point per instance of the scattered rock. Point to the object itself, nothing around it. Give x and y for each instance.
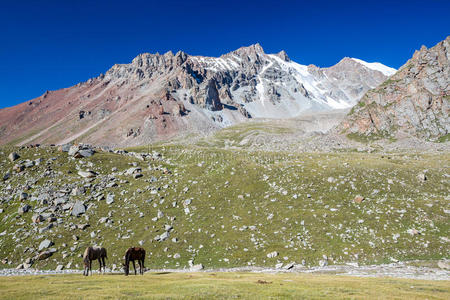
(87, 174)
(78, 209)
(45, 244)
(272, 254)
(358, 199)
(13, 156)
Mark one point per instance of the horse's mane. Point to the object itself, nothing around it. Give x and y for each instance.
(86, 253)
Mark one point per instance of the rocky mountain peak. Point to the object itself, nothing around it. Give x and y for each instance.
(414, 101)
(283, 55)
(158, 96)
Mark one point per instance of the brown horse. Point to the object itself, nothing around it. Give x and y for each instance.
(133, 254)
(93, 253)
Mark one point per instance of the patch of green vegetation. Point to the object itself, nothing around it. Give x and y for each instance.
(389, 82)
(219, 285)
(444, 138)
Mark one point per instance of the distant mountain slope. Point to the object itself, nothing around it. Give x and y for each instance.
(161, 96)
(415, 101)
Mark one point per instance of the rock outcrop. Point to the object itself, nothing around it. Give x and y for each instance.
(413, 102)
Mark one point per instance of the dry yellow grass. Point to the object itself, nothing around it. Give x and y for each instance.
(219, 286)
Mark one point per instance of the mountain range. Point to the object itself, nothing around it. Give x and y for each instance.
(157, 97)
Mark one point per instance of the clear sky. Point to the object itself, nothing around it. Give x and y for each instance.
(48, 45)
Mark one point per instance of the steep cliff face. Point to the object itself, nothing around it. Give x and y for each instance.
(161, 96)
(415, 101)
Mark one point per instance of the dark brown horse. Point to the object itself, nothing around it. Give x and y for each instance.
(133, 254)
(93, 253)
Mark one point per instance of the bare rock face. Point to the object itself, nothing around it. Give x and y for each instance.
(415, 101)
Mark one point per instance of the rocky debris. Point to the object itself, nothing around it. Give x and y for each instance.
(78, 209)
(13, 156)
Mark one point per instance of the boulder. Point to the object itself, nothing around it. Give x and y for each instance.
(86, 152)
(18, 168)
(37, 218)
(13, 156)
(196, 268)
(78, 209)
(45, 244)
(64, 148)
(87, 174)
(110, 199)
(44, 255)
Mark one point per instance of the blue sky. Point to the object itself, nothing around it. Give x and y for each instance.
(48, 45)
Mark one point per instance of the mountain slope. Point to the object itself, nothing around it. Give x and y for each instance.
(161, 96)
(414, 101)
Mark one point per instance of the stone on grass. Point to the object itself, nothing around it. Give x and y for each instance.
(13, 156)
(358, 199)
(272, 254)
(78, 209)
(45, 244)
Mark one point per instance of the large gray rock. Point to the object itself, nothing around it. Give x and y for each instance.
(86, 152)
(78, 209)
(45, 244)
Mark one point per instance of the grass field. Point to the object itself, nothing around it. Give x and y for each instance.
(218, 286)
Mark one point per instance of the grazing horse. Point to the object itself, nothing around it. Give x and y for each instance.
(133, 254)
(93, 253)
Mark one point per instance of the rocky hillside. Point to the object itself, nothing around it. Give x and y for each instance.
(413, 102)
(279, 210)
(161, 96)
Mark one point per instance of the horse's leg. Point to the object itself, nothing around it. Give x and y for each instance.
(90, 267)
(140, 267)
(134, 266)
(104, 265)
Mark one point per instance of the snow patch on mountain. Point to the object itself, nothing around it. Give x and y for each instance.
(388, 71)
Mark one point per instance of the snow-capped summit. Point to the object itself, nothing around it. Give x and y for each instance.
(388, 71)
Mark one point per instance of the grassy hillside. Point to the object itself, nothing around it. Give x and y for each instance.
(243, 207)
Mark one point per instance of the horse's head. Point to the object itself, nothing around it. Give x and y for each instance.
(126, 269)
(86, 261)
